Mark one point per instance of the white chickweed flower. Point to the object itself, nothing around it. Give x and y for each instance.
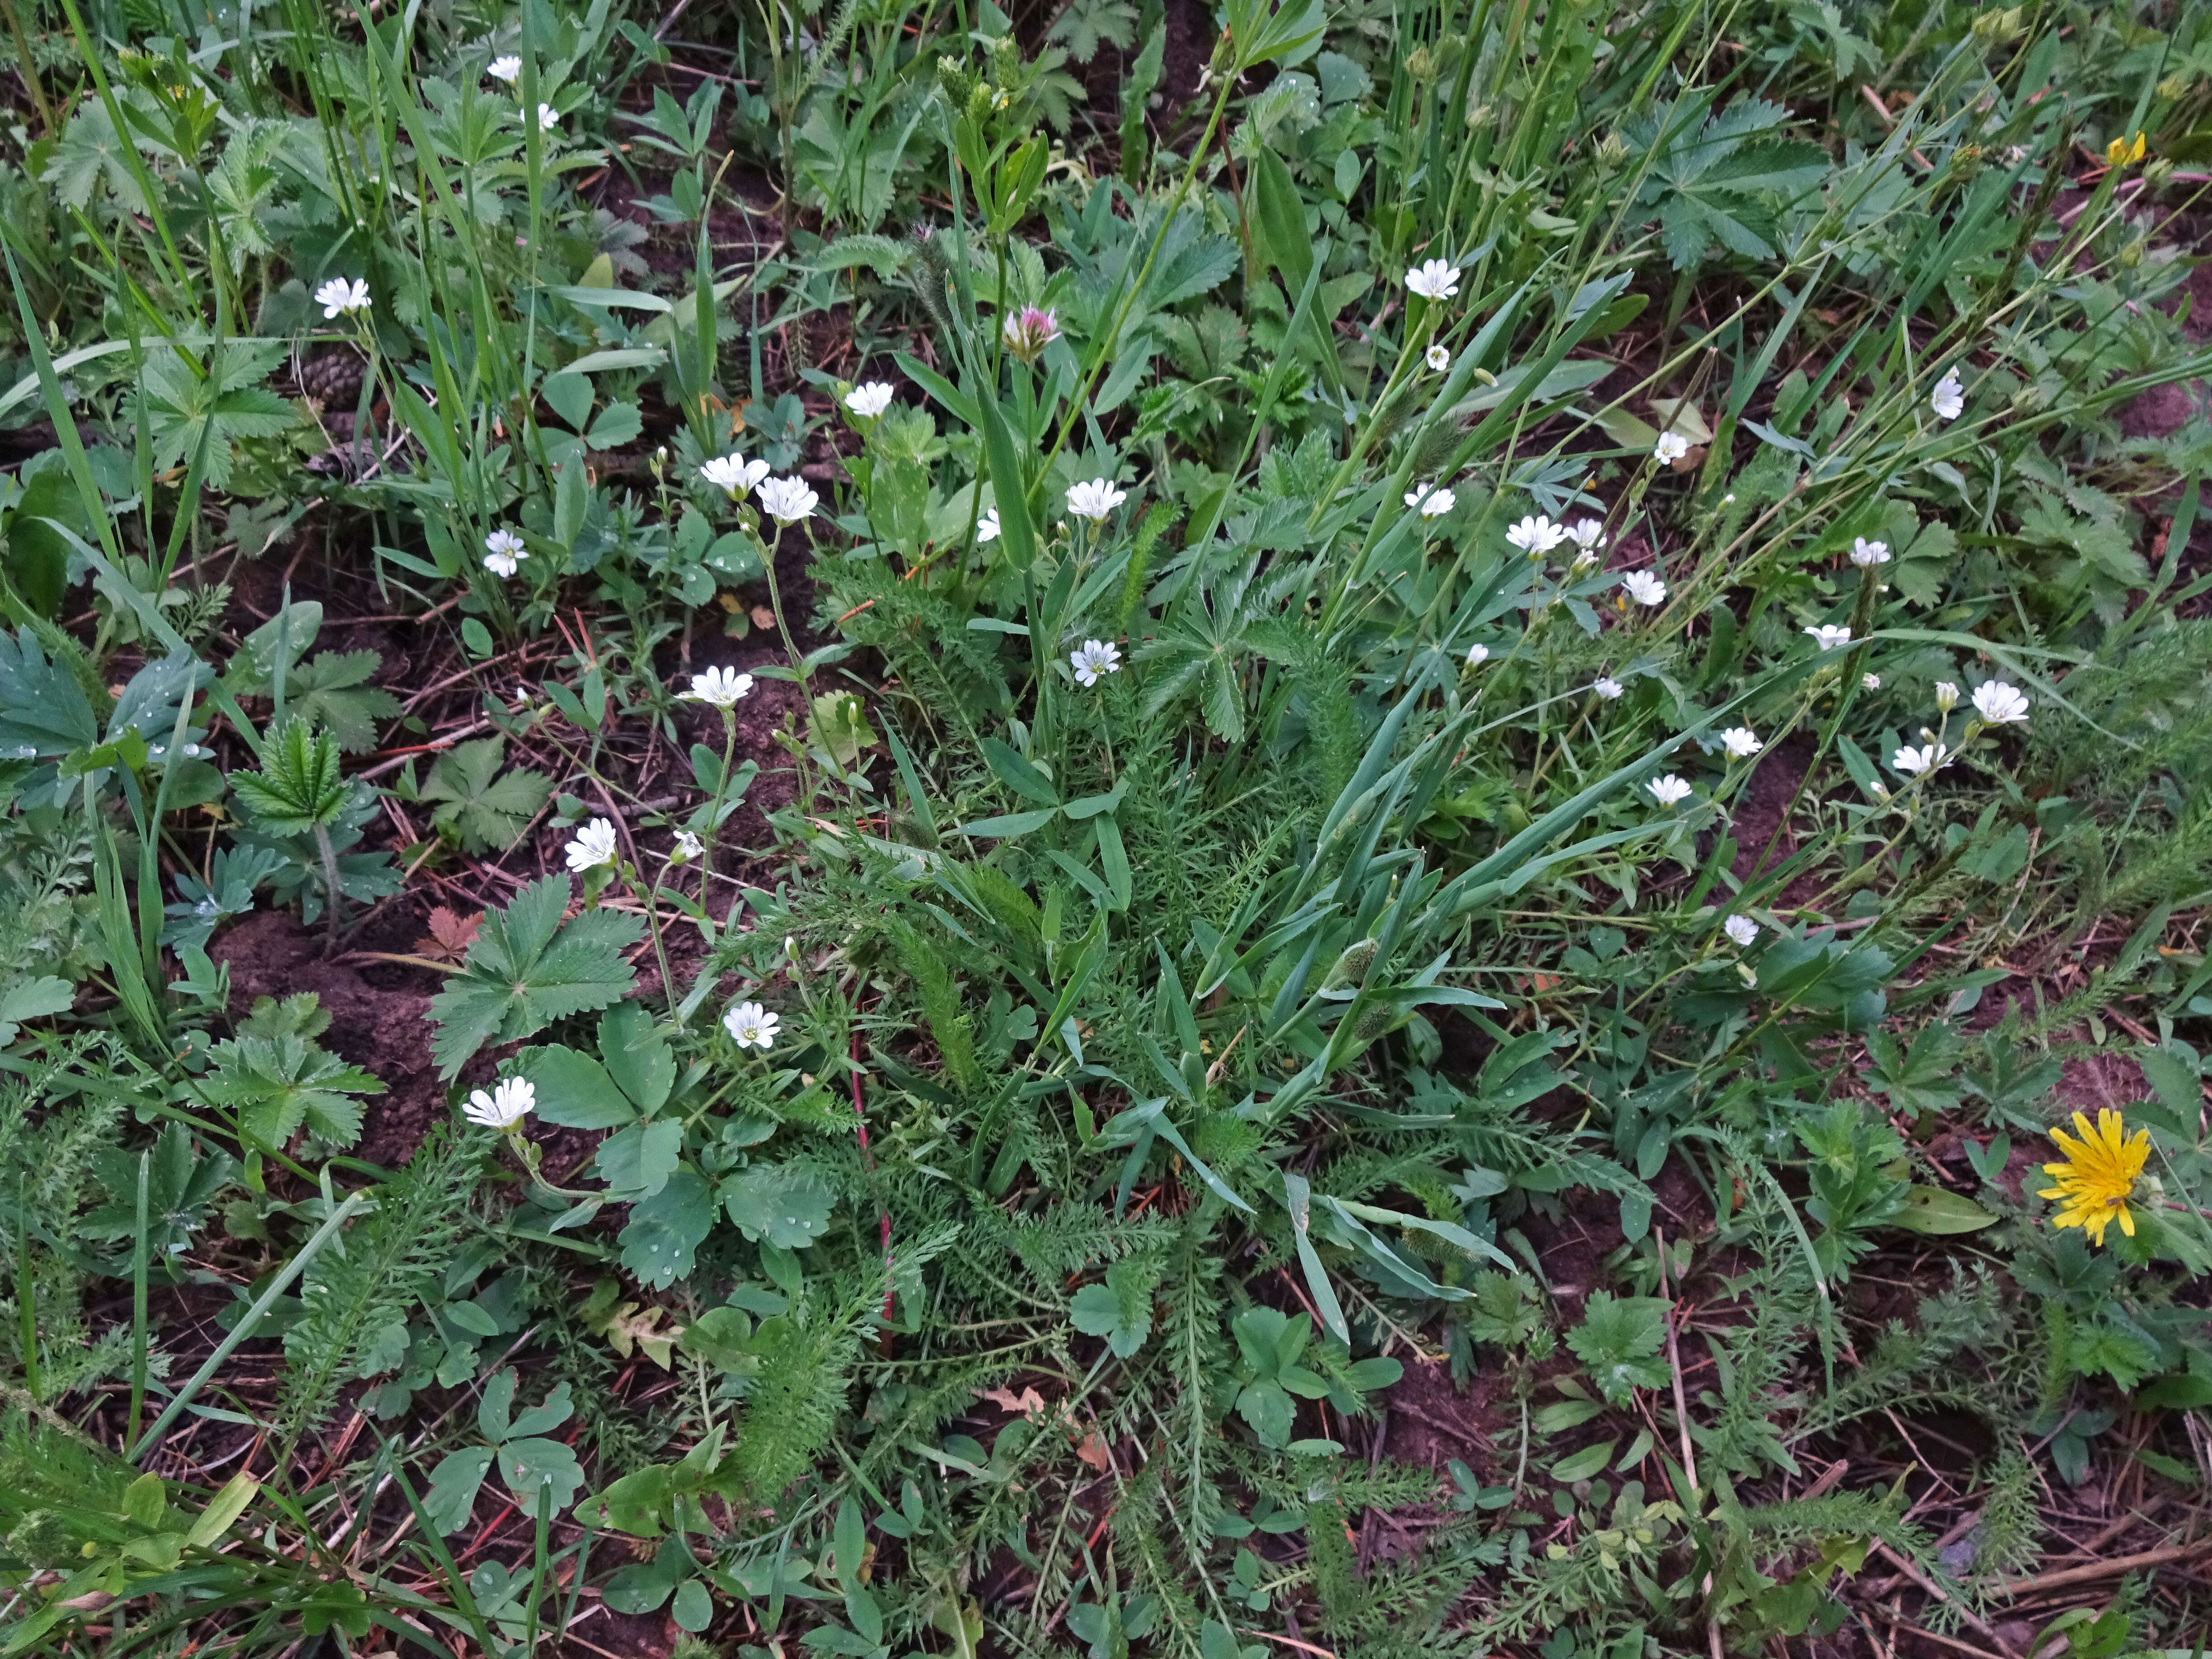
(1668, 790)
(1536, 535)
(1741, 742)
(1607, 687)
(1948, 400)
(1643, 587)
(733, 474)
(1433, 502)
(548, 118)
(1741, 929)
(1865, 553)
(1438, 358)
(504, 552)
(1829, 635)
(752, 1026)
(507, 69)
(688, 846)
(1093, 658)
(1913, 761)
(594, 845)
(1588, 534)
(720, 687)
(1477, 655)
(1947, 697)
(788, 500)
(1670, 448)
(1871, 682)
(1095, 500)
(1434, 279)
(987, 528)
(508, 1102)
(340, 295)
(2001, 704)
(869, 400)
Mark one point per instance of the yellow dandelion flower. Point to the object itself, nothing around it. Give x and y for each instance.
(2098, 1175)
(2119, 152)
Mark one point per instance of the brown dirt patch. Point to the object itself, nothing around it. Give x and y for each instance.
(382, 1029)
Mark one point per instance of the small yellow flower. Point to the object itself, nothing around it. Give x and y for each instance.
(2120, 154)
(2098, 1175)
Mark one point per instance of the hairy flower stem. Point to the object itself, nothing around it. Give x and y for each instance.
(330, 885)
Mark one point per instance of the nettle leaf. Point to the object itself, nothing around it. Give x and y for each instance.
(528, 969)
(333, 692)
(782, 1205)
(297, 787)
(489, 809)
(1619, 1343)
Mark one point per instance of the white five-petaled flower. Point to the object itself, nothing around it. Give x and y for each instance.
(1588, 534)
(504, 552)
(1093, 658)
(1741, 742)
(720, 687)
(507, 69)
(1947, 697)
(1094, 500)
(1438, 358)
(688, 846)
(2001, 704)
(1871, 682)
(1434, 279)
(594, 845)
(340, 295)
(1536, 534)
(1477, 655)
(789, 500)
(1913, 761)
(548, 118)
(869, 400)
(1643, 587)
(752, 1026)
(1741, 929)
(1668, 790)
(1670, 448)
(1829, 635)
(1948, 400)
(1607, 687)
(733, 473)
(1865, 553)
(508, 1102)
(1433, 502)
(987, 528)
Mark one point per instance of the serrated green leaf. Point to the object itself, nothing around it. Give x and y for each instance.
(489, 809)
(528, 969)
